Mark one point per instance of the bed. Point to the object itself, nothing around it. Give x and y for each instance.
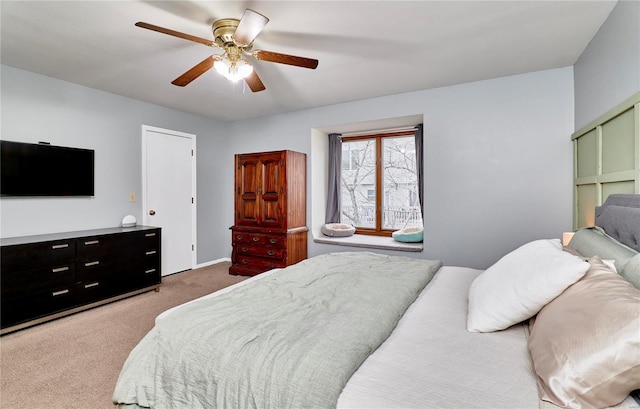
(421, 336)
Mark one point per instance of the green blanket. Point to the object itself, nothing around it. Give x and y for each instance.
(289, 340)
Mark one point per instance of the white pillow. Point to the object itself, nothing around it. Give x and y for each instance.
(518, 285)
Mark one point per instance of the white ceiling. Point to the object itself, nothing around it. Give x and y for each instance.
(365, 48)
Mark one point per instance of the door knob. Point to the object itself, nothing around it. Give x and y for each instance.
(152, 212)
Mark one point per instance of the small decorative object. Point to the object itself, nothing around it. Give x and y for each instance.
(128, 221)
(338, 230)
(409, 235)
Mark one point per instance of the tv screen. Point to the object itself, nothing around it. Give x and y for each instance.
(28, 169)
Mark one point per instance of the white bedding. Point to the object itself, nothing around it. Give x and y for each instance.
(432, 361)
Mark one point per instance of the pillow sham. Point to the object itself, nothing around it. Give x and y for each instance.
(518, 285)
(585, 345)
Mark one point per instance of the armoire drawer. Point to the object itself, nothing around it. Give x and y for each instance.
(269, 252)
(259, 262)
(259, 239)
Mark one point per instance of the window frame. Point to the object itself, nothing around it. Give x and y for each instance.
(379, 185)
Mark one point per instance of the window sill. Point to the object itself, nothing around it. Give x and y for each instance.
(372, 242)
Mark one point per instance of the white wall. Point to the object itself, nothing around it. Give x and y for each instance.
(498, 160)
(38, 108)
(608, 71)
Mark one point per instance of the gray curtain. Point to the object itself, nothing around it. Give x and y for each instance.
(335, 165)
(419, 167)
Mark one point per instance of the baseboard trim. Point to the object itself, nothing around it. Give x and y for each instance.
(210, 263)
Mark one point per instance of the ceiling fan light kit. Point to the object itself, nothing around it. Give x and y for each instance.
(236, 38)
(233, 70)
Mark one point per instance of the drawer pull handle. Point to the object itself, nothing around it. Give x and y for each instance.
(149, 271)
(59, 293)
(245, 261)
(150, 253)
(91, 242)
(150, 235)
(244, 249)
(256, 239)
(59, 269)
(239, 238)
(91, 263)
(59, 246)
(271, 252)
(97, 283)
(273, 241)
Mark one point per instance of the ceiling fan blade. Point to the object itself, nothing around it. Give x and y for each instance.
(202, 67)
(251, 24)
(178, 34)
(285, 59)
(254, 82)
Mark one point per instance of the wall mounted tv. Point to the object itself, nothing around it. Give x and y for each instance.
(29, 169)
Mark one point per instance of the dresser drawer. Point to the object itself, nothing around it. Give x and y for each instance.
(107, 245)
(25, 308)
(56, 299)
(94, 290)
(14, 283)
(97, 269)
(269, 252)
(151, 238)
(29, 256)
(17, 309)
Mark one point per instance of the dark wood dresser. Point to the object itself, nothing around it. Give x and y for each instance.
(49, 276)
(269, 228)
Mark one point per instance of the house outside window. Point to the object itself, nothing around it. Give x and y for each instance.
(379, 183)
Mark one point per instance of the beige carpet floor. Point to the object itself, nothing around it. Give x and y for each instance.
(74, 362)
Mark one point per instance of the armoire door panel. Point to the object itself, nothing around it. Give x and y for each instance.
(249, 175)
(271, 174)
(271, 212)
(247, 194)
(249, 212)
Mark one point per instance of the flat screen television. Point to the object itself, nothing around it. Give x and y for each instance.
(30, 169)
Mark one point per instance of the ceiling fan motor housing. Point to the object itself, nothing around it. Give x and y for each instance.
(223, 31)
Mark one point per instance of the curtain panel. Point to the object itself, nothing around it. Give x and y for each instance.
(420, 167)
(335, 164)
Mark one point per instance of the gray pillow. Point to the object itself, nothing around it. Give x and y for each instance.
(630, 270)
(593, 241)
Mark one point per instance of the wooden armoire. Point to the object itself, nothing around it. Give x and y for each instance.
(270, 219)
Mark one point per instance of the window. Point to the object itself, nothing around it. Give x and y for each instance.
(379, 183)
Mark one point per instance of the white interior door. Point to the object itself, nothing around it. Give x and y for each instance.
(168, 197)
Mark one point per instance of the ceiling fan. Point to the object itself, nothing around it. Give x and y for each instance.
(236, 38)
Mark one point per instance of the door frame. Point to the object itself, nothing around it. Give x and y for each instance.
(194, 209)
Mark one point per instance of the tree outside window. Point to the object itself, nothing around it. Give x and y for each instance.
(379, 183)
